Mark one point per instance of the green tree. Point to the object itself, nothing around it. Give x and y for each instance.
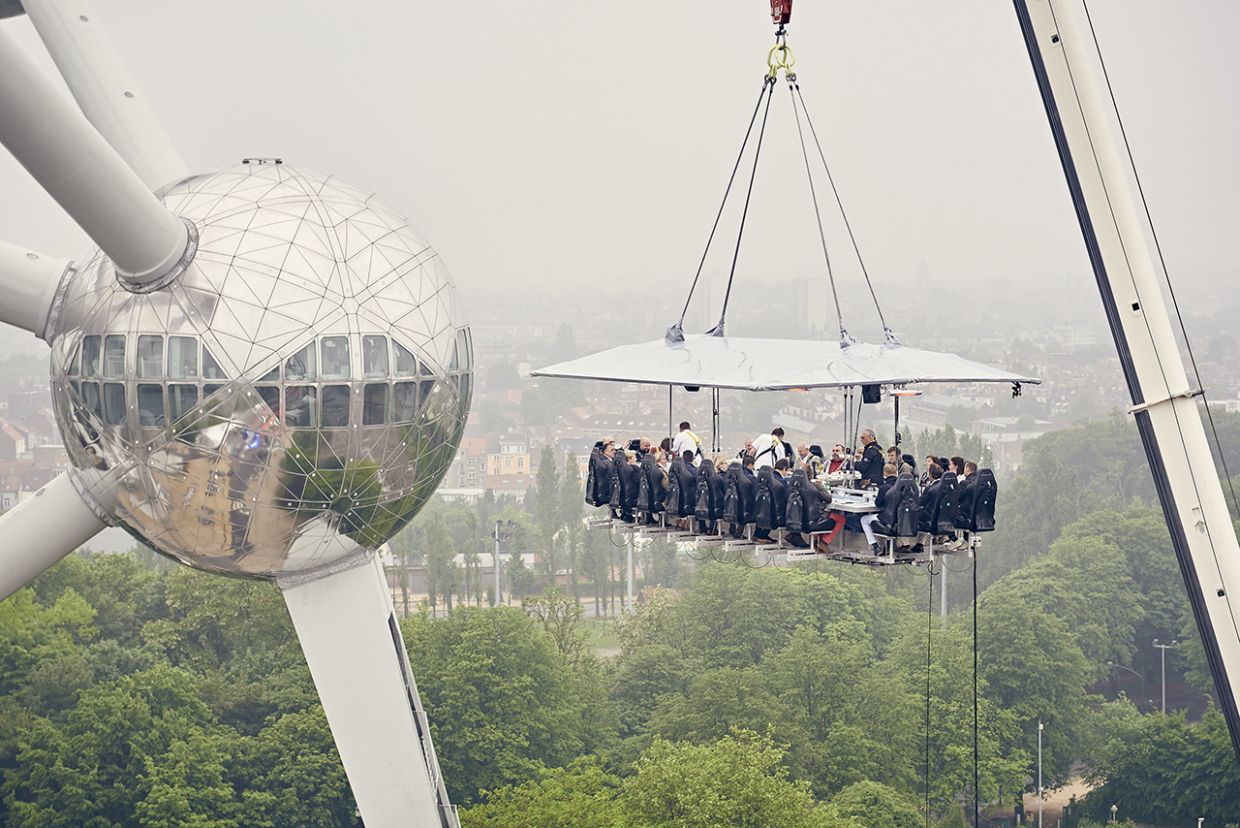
(737, 780)
(875, 805)
(583, 795)
(501, 699)
(546, 497)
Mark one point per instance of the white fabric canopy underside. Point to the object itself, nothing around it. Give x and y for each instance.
(752, 364)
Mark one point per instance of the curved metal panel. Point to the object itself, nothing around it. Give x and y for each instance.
(290, 402)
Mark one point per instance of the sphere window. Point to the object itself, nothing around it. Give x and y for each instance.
(374, 404)
(181, 400)
(374, 357)
(335, 410)
(404, 401)
(90, 356)
(301, 406)
(114, 356)
(182, 357)
(335, 358)
(150, 405)
(113, 403)
(270, 395)
(210, 368)
(90, 398)
(406, 363)
(150, 357)
(301, 365)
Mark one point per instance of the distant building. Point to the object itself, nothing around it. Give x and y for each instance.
(12, 441)
(1006, 438)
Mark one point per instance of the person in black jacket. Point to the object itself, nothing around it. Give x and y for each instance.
(872, 461)
(929, 497)
(819, 517)
(779, 492)
(747, 490)
(867, 521)
(630, 485)
(966, 493)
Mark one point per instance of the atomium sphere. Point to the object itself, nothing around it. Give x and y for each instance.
(285, 405)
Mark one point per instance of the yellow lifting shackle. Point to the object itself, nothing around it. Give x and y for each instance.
(782, 57)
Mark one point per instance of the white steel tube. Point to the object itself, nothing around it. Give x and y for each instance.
(28, 282)
(40, 531)
(46, 133)
(1118, 235)
(348, 630)
(104, 89)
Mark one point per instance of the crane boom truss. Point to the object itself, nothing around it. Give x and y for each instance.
(1106, 195)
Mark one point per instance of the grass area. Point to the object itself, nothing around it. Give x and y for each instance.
(601, 636)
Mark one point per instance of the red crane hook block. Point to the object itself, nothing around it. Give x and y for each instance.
(781, 12)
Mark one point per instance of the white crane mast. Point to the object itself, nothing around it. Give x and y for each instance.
(1119, 237)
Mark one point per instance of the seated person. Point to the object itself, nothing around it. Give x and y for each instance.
(630, 485)
(929, 497)
(779, 491)
(779, 501)
(719, 483)
(924, 480)
(600, 470)
(839, 458)
(871, 463)
(747, 491)
(819, 519)
(966, 493)
(868, 521)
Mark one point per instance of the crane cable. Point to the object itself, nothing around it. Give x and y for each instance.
(977, 801)
(889, 336)
(929, 632)
(845, 339)
(781, 58)
(976, 775)
(718, 330)
(676, 332)
(1162, 261)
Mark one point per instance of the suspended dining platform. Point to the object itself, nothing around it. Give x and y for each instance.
(757, 364)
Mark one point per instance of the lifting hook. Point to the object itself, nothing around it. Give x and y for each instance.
(781, 12)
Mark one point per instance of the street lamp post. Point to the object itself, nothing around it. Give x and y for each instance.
(1114, 666)
(503, 531)
(1041, 727)
(1164, 648)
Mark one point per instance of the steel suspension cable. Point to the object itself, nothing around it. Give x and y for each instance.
(727, 191)
(718, 330)
(845, 339)
(887, 332)
(929, 633)
(976, 775)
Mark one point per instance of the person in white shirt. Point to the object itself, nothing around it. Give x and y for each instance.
(769, 449)
(686, 440)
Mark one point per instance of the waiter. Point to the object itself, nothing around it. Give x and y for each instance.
(769, 449)
(686, 440)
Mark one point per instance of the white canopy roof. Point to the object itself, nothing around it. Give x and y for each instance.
(752, 364)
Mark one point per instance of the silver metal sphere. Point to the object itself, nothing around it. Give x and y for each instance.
(290, 402)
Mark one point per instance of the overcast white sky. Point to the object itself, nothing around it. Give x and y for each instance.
(558, 145)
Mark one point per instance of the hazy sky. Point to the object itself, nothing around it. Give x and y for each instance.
(557, 145)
